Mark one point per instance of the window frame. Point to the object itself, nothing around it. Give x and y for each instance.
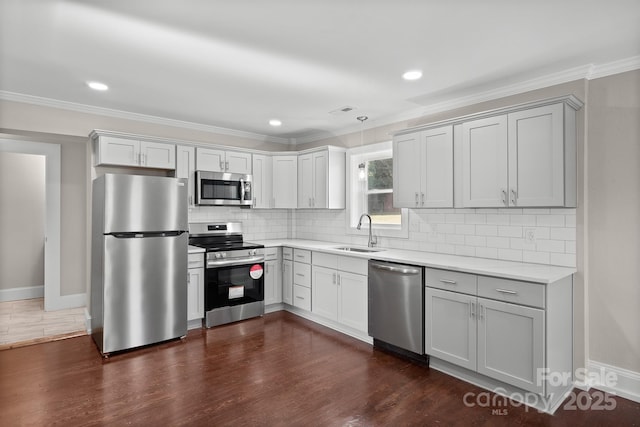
(354, 205)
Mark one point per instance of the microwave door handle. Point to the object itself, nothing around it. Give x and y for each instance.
(241, 189)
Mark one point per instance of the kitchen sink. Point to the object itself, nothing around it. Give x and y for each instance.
(362, 250)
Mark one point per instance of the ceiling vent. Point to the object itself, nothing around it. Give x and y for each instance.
(342, 110)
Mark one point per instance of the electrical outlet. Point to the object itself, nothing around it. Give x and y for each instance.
(530, 235)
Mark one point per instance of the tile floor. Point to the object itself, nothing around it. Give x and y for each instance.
(26, 321)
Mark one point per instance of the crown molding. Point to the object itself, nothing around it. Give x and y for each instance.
(588, 71)
(89, 109)
(615, 67)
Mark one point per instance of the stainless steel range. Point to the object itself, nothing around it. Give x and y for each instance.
(234, 274)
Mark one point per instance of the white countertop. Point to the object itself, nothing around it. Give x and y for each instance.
(195, 249)
(538, 273)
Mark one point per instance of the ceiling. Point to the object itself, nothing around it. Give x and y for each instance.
(238, 64)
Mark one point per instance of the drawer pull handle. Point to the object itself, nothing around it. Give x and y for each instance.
(299, 256)
(448, 282)
(299, 274)
(505, 291)
(299, 297)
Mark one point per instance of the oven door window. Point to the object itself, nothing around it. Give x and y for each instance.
(215, 189)
(226, 286)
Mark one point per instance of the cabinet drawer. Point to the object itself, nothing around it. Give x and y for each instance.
(353, 265)
(301, 255)
(451, 281)
(302, 274)
(195, 260)
(287, 253)
(523, 293)
(325, 260)
(270, 254)
(302, 297)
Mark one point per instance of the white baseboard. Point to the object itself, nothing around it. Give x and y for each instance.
(63, 302)
(615, 380)
(27, 292)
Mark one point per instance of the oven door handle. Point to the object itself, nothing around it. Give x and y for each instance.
(230, 262)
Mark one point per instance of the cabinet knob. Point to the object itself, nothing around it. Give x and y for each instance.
(417, 198)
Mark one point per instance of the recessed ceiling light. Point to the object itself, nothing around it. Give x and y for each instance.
(275, 122)
(97, 86)
(412, 75)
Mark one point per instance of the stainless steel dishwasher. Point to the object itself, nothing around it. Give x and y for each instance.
(396, 307)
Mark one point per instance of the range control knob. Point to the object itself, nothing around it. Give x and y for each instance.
(217, 255)
(253, 251)
(223, 254)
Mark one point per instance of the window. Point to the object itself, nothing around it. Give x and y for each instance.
(371, 191)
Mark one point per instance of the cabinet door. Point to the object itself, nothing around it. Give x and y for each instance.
(352, 300)
(208, 159)
(511, 343)
(195, 293)
(272, 286)
(437, 172)
(484, 162)
(320, 179)
(262, 180)
(450, 327)
(118, 151)
(287, 282)
(157, 155)
(536, 157)
(305, 181)
(237, 162)
(407, 169)
(285, 181)
(325, 292)
(185, 167)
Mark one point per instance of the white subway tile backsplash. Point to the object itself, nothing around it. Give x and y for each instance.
(510, 254)
(550, 220)
(563, 234)
(498, 242)
(486, 230)
(495, 233)
(509, 231)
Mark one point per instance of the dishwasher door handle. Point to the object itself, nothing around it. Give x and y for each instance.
(394, 269)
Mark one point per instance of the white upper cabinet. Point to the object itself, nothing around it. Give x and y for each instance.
(536, 157)
(423, 169)
(185, 168)
(216, 160)
(522, 159)
(117, 151)
(285, 181)
(484, 162)
(321, 179)
(262, 181)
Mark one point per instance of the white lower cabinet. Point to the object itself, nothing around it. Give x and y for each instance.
(272, 277)
(287, 275)
(195, 287)
(302, 279)
(511, 343)
(508, 330)
(340, 289)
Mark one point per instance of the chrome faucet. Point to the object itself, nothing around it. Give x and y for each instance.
(372, 239)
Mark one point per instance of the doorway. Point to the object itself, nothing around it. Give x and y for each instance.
(51, 152)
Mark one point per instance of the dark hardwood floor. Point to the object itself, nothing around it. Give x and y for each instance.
(279, 370)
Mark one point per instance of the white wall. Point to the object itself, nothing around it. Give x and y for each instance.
(613, 221)
(22, 220)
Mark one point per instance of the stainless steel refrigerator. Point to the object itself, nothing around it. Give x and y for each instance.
(138, 261)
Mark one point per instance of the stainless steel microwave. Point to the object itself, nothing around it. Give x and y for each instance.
(221, 188)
